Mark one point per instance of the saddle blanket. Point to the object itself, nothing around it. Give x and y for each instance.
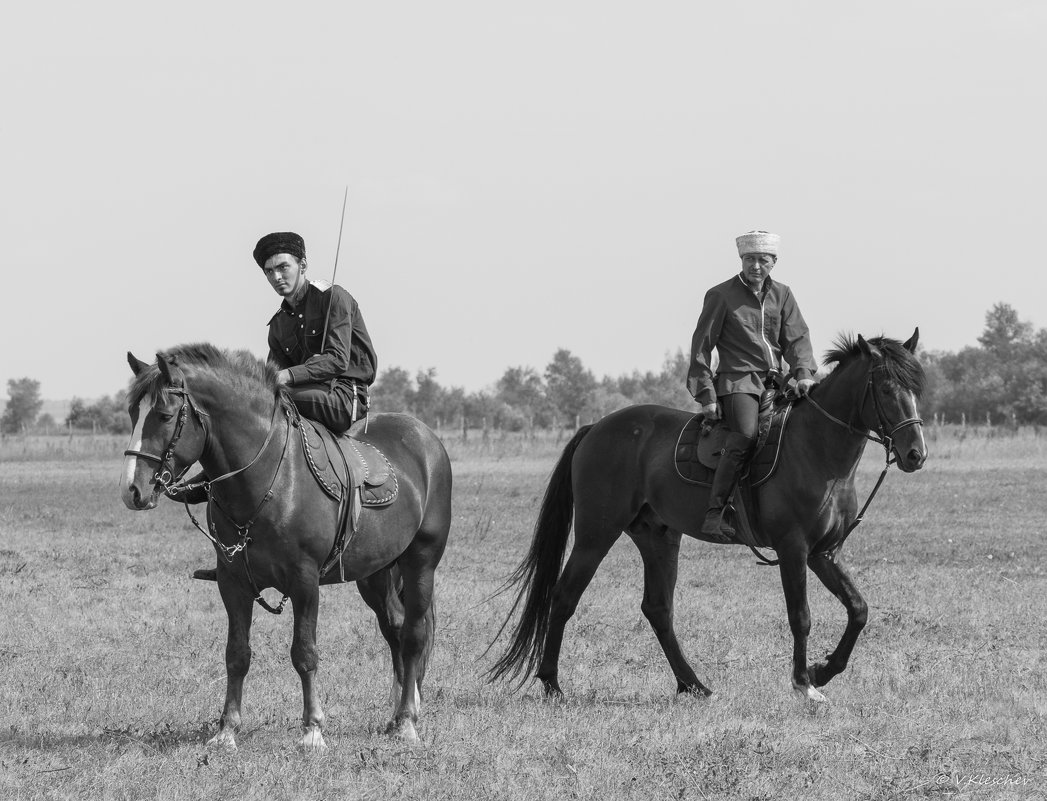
(698, 449)
(699, 446)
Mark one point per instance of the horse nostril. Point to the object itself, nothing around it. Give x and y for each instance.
(915, 457)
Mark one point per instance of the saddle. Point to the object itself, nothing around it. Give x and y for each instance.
(341, 464)
(698, 450)
(350, 470)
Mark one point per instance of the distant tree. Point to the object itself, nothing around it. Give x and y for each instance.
(46, 423)
(606, 398)
(665, 388)
(480, 407)
(106, 414)
(569, 385)
(1004, 331)
(522, 393)
(427, 396)
(451, 406)
(393, 391)
(23, 405)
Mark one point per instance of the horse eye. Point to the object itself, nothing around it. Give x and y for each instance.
(164, 417)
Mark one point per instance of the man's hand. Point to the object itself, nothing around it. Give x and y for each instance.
(711, 411)
(804, 386)
(283, 378)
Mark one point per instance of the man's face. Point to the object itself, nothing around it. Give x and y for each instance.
(284, 273)
(756, 267)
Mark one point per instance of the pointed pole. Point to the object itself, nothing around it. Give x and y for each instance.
(334, 273)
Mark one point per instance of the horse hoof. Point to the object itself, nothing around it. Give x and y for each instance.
(819, 674)
(313, 741)
(404, 730)
(810, 693)
(694, 690)
(223, 741)
(552, 691)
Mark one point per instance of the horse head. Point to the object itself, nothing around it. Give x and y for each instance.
(889, 407)
(168, 433)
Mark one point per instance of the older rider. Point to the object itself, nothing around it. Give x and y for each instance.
(753, 323)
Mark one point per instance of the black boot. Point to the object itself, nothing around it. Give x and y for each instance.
(728, 469)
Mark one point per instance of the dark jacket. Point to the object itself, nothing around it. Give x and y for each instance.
(295, 334)
(751, 333)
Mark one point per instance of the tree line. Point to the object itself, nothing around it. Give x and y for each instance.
(1002, 380)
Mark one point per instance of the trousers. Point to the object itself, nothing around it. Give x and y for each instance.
(333, 406)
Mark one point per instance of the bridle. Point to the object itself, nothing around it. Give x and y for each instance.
(164, 478)
(885, 433)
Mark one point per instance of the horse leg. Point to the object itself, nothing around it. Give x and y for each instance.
(305, 657)
(585, 558)
(838, 581)
(238, 607)
(381, 592)
(415, 640)
(793, 566)
(660, 550)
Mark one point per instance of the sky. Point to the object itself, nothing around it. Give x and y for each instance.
(521, 177)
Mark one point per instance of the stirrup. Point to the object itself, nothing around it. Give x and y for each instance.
(723, 530)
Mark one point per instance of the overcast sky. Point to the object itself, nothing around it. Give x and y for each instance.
(522, 177)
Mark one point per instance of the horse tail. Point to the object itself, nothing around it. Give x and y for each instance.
(538, 573)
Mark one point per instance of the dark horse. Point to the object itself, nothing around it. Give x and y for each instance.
(619, 475)
(272, 524)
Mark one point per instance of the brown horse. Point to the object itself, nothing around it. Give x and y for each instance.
(273, 526)
(619, 475)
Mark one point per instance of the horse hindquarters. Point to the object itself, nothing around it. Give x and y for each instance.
(406, 588)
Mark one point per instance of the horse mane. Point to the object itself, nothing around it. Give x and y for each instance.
(902, 367)
(240, 370)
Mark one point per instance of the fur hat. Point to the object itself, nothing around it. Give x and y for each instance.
(758, 242)
(282, 242)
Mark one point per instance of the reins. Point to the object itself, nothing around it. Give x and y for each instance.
(165, 481)
(886, 439)
(229, 552)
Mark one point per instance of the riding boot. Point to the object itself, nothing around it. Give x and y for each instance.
(728, 469)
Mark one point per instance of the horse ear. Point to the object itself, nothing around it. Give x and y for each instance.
(910, 344)
(165, 367)
(864, 346)
(137, 365)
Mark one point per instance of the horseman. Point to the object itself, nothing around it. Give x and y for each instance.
(317, 338)
(753, 323)
(318, 343)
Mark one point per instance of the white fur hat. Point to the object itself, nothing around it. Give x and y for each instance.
(757, 242)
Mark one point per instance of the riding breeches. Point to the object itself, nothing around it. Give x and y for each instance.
(332, 406)
(741, 413)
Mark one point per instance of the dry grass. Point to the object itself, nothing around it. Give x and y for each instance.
(112, 670)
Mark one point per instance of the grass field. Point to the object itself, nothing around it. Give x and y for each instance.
(112, 674)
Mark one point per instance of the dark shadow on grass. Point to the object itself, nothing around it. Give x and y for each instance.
(161, 740)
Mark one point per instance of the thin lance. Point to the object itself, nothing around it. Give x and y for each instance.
(330, 301)
(334, 273)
